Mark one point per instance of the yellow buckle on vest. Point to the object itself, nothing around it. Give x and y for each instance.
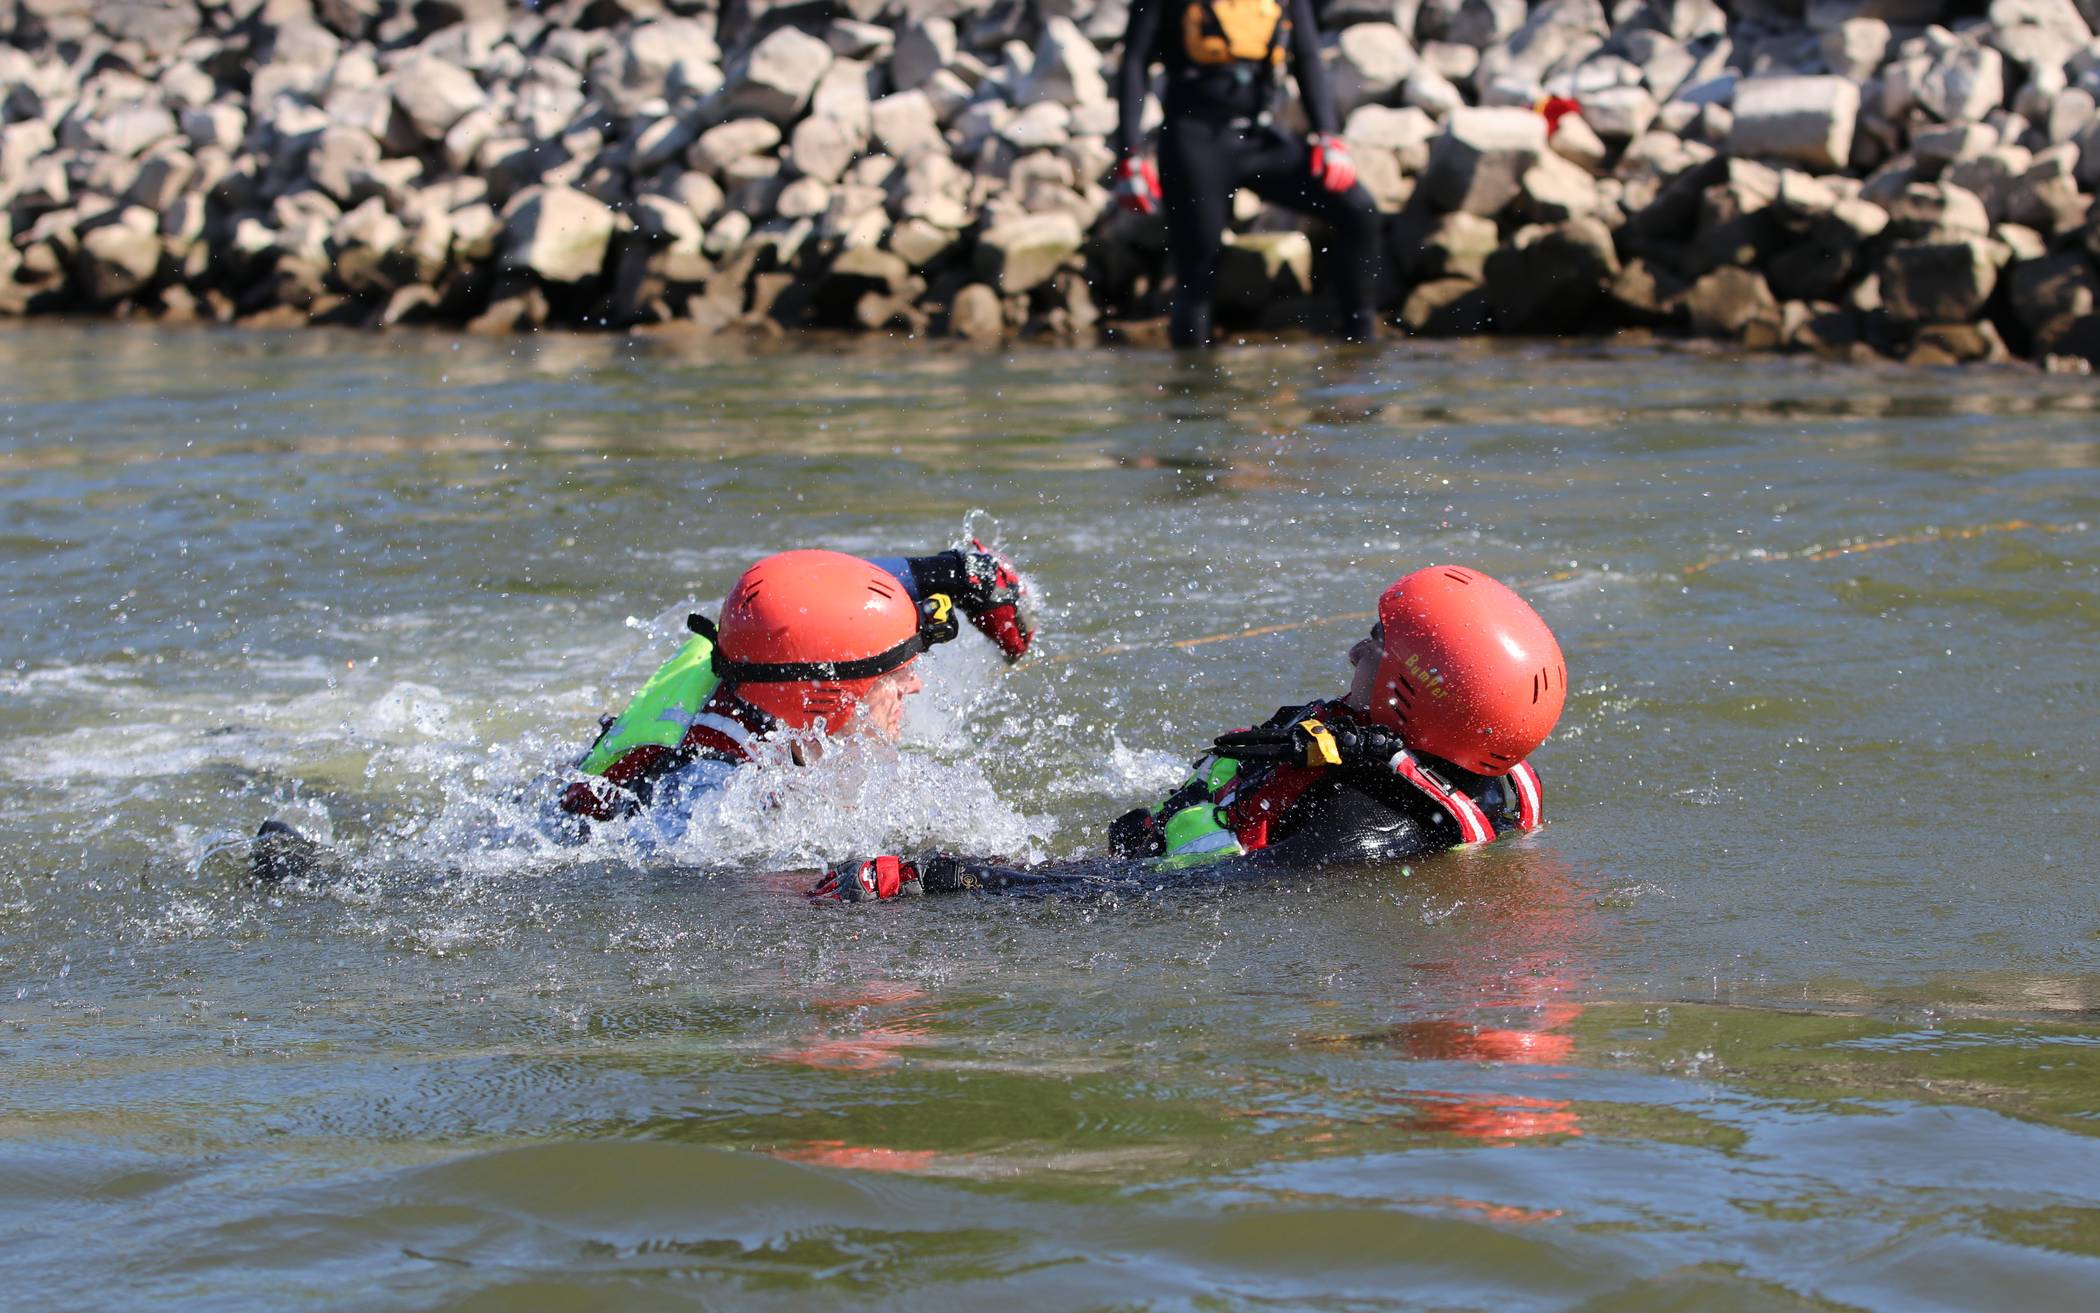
(1321, 751)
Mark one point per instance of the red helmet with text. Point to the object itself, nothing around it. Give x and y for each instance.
(804, 635)
(1467, 672)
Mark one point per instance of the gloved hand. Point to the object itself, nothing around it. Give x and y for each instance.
(984, 584)
(1314, 743)
(1137, 185)
(874, 880)
(1331, 164)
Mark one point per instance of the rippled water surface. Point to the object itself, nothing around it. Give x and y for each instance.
(1793, 1005)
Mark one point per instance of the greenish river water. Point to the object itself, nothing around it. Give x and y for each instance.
(1793, 1005)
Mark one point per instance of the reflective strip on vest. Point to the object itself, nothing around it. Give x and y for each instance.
(665, 708)
(1473, 823)
(1531, 799)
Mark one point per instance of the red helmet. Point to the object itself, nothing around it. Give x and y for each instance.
(805, 634)
(1469, 672)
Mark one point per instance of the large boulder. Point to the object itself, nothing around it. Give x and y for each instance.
(1964, 84)
(434, 95)
(1942, 283)
(1548, 278)
(1023, 253)
(2056, 299)
(726, 143)
(905, 122)
(558, 234)
(1478, 162)
(1372, 61)
(1066, 68)
(1727, 302)
(1804, 120)
(119, 258)
(1256, 269)
(777, 78)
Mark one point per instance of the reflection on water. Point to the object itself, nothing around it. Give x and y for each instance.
(1792, 1006)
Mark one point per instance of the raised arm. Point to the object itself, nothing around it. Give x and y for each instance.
(1314, 88)
(1134, 76)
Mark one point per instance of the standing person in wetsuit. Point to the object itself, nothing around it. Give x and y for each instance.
(1225, 62)
(1458, 683)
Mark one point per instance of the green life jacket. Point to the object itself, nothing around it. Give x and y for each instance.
(661, 713)
(1198, 832)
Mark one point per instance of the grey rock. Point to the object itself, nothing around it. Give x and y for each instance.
(1941, 283)
(1473, 24)
(1042, 126)
(924, 49)
(2054, 299)
(1620, 113)
(1964, 83)
(1258, 268)
(1804, 120)
(1457, 247)
(1936, 148)
(780, 74)
(726, 143)
(1023, 253)
(1430, 92)
(363, 249)
(822, 147)
(161, 178)
(1855, 48)
(930, 186)
(845, 93)
(1406, 132)
(1477, 162)
(337, 154)
(904, 123)
(1554, 190)
(558, 234)
(1066, 68)
(1730, 302)
(1445, 307)
(1372, 61)
(1937, 212)
(131, 129)
(976, 315)
(434, 95)
(1573, 139)
(920, 243)
(119, 258)
(220, 125)
(1549, 277)
(804, 198)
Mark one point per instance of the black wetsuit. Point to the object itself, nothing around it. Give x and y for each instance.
(1220, 135)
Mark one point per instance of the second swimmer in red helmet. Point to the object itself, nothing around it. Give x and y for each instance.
(1458, 682)
(811, 644)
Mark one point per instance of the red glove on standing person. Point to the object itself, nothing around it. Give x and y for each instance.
(1331, 163)
(1137, 185)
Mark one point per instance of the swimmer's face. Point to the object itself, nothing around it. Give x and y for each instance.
(882, 709)
(1363, 668)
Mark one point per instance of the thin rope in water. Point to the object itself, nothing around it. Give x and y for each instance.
(1757, 556)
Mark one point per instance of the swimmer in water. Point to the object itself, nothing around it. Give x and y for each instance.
(1457, 684)
(812, 646)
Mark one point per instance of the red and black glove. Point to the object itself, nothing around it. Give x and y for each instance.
(1331, 164)
(1137, 185)
(987, 588)
(877, 879)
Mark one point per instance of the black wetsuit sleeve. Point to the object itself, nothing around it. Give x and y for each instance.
(1134, 76)
(1314, 88)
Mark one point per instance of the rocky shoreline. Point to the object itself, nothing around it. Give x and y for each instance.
(1856, 178)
